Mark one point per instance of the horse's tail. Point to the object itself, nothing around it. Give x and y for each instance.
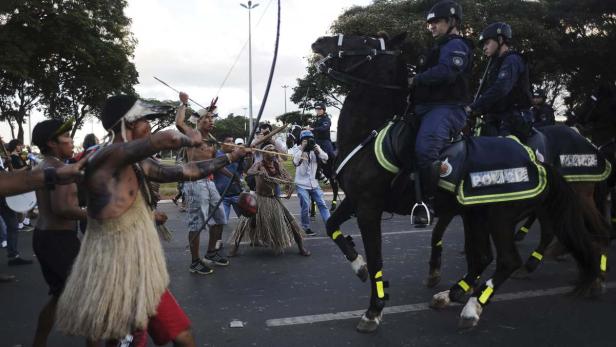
(569, 227)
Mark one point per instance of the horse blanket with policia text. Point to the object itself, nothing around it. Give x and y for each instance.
(480, 170)
(571, 154)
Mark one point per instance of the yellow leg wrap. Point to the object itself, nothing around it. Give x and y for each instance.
(439, 244)
(465, 286)
(524, 230)
(485, 295)
(380, 292)
(336, 234)
(537, 255)
(603, 263)
(378, 274)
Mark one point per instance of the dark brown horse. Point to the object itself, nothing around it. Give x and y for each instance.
(376, 70)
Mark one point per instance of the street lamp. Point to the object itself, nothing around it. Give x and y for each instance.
(249, 7)
(285, 97)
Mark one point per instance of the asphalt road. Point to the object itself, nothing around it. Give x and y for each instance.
(289, 300)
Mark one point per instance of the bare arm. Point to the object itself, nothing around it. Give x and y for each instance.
(158, 172)
(180, 119)
(65, 203)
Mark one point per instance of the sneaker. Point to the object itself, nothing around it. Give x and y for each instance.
(17, 260)
(216, 258)
(309, 232)
(197, 267)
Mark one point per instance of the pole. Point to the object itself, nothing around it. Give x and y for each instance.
(285, 97)
(250, 65)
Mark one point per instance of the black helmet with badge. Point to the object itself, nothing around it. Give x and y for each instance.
(444, 10)
(319, 105)
(494, 30)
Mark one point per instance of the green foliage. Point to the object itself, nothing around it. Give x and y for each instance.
(232, 125)
(295, 117)
(72, 54)
(568, 43)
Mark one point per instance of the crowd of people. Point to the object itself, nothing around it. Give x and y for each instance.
(102, 228)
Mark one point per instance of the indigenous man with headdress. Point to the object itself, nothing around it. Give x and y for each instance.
(118, 283)
(273, 225)
(202, 195)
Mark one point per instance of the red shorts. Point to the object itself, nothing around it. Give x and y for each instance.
(169, 322)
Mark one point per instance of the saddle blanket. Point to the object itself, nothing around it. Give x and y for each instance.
(573, 156)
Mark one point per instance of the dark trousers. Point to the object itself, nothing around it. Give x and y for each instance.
(10, 219)
(510, 123)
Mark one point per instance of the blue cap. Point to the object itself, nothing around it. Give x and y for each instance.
(305, 133)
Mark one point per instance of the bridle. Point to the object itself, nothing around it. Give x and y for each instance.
(369, 55)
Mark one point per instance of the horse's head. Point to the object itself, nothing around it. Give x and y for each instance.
(367, 60)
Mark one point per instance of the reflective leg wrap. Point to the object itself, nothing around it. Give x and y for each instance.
(345, 244)
(603, 263)
(533, 261)
(380, 286)
(524, 230)
(487, 290)
(459, 290)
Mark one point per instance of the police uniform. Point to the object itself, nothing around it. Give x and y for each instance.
(505, 98)
(322, 134)
(441, 89)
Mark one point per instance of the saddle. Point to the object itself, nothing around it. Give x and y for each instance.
(570, 153)
(394, 144)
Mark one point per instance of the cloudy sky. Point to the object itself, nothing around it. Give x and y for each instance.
(192, 44)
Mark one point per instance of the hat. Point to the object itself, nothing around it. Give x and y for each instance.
(305, 133)
(50, 129)
(319, 105)
(131, 109)
(239, 141)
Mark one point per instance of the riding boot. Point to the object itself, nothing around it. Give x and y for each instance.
(426, 190)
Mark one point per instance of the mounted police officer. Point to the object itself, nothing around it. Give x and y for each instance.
(505, 98)
(440, 90)
(321, 129)
(542, 112)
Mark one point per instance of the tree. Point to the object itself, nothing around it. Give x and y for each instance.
(568, 43)
(295, 117)
(75, 53)
(232, 125)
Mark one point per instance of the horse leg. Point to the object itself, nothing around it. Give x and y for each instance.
(597, 225)
(612, 212)
(535, 258)
(507, 261)
(334, 184)
(346, 245)
(434, 274)
(369, 220)
(523, 231)
(478, 253)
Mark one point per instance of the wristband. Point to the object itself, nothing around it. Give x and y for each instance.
(50, 177)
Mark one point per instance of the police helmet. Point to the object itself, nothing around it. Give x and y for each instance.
(318, 105)
(494, 30)
(443, 10)
(539, 93)
(304, 134)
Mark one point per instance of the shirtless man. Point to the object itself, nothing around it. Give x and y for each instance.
(55, 241)
(17, 182)
(119, 280)
(202, 195)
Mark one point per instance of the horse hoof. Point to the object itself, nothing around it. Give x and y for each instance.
(440, 300)
(433, 279)
(369, 325)
(470, 314)
(521, 273)
(360, 268)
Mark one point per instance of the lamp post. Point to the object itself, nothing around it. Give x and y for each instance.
(249, 6)
(285, 97)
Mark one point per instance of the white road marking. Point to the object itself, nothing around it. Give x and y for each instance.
(424, 306)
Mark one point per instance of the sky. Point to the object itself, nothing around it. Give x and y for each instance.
(192, 44)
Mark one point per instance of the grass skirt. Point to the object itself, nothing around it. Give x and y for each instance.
(273, 225)
(117, 279)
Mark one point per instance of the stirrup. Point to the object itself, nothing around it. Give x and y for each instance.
(425, 207)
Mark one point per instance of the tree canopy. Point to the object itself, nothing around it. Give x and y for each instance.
(568, 43)
(64, 57)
